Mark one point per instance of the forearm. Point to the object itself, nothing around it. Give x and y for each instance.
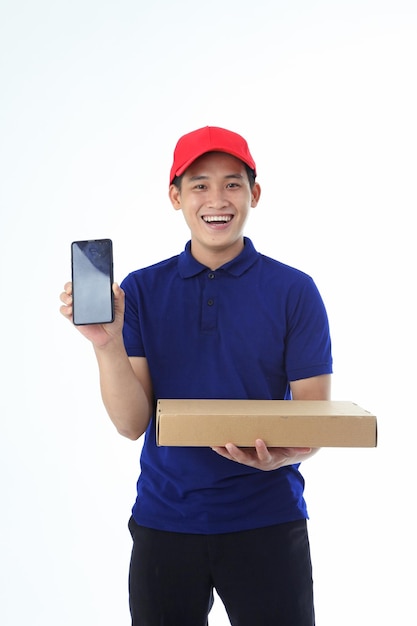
(126, 401)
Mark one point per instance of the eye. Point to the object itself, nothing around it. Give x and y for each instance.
(200, 186)
(232, 185)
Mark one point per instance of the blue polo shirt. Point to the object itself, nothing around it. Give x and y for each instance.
(243, 331)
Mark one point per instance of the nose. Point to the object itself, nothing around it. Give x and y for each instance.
(217, 199)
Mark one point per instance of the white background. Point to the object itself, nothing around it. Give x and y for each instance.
(93, 97)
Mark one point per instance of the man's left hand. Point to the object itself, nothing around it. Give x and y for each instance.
(264, 458)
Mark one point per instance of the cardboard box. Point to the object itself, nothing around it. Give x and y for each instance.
(298, 423)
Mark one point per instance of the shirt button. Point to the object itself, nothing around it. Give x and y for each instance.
(211, 275)
(210, 302)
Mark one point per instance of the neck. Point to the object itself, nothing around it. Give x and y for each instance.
(216, 257)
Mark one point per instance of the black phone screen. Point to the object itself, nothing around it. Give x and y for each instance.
(92, 279)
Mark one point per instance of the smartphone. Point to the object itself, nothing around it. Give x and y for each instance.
(92, 280)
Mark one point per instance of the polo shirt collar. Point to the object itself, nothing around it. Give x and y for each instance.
(188, 266)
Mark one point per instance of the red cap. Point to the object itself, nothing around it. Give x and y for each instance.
(208, 139)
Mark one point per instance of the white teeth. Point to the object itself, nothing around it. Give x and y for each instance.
(217, 218)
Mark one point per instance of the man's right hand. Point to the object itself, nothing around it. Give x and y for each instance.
(99, 334)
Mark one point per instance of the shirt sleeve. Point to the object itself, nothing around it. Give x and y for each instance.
(308, 343)
(132, 331)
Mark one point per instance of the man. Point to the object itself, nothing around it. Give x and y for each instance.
(219, 320)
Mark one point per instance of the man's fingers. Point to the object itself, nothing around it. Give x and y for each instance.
(262, 451)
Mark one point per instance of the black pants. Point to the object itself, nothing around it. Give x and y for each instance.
(263, 576)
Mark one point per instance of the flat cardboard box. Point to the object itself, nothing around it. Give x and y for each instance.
(298, 423)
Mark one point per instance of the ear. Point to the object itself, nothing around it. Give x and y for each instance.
(175, 197)
(256, 194)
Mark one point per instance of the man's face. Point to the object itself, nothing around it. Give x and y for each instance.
(215, 198)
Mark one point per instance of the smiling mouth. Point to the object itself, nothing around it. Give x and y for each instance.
(217, 219)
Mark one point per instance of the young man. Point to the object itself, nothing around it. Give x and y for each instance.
(219, 320)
